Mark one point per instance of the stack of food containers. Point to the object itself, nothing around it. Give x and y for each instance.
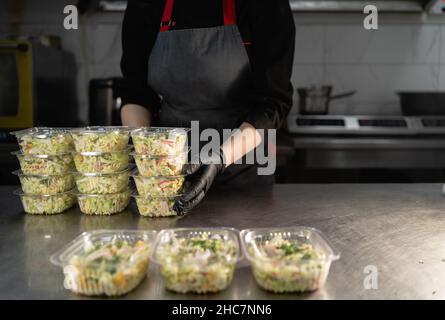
(101, 159)
(160, 156)
(46, 170)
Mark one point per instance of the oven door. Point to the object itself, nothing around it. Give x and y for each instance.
(16, 85)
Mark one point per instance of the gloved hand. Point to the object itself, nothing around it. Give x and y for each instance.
(200, 179)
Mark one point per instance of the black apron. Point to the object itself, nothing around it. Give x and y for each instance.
(203, 74)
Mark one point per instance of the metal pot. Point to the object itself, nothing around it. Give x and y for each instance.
(315, 99)
(422, 103)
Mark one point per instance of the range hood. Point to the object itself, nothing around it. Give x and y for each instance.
(358, 5)
(430, 6)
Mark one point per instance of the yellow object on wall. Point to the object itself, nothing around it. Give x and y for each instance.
(24, 117)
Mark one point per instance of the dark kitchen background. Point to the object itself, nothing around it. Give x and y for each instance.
(370, 105)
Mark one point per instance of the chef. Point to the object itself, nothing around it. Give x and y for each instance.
(224, 63)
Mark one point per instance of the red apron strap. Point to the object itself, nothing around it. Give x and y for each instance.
(166, 21)
(229, 12)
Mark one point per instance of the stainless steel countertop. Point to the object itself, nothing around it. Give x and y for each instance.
(398, 228)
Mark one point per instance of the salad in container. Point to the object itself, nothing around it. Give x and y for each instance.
(45, 164)
(100, 139)
(103, 204)
(45, 184)
(46, 204)
(102, 183)
(197, 260)
(105, 262)
(288, 260)
(167, 186)
(44, 140)
(101, 162)
(155, 166)
(160, 141)
(156, 207)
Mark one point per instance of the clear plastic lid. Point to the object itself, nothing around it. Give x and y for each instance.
(86, 240)
(39, 156)
(104, 195)
(135, 174)
(253, 241)
(101, 130)
(138, 196)
(80, 174)
(19, 192)
(20, 173)
(169, 237)
(154, 131)
(41, 132)
(183, 154)
(86, 154)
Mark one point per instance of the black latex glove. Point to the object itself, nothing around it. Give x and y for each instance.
(199, 181)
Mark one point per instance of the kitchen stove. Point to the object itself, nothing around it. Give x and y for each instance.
(367, 125)
(340, 148)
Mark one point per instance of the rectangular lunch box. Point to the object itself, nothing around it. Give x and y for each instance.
(160, 141)
(155, 166)
(40, 140)
(45, 184)
(45, 164)
(101, 139)
(156, 207)
(102, 183)
(46, 204)
(294, 259)
(102, 162)
(105, 262)
(197, 260)
(103, 204)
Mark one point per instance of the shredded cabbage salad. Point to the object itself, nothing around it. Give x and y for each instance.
(112, 162)
(105, 141)
(49, 165)
(160, 166)
(160, 143)
(159, 186)
(290, 266)
(102, 183)
(46, 144)
(110, 269)
(156, 207)
(199, 264)
(105, 204)
(53, 204)
(45, 184)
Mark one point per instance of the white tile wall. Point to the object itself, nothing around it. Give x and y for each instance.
(390, 44)
(309, 44)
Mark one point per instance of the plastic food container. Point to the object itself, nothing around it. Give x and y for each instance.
(103, 204)
(105, 262)
(167, 186)
(46, 204)
(160, 141)
(101, 139)
(197, 260)
(155, 166)
(45, 184)
(102, 162)
(288, 259)
(44, 140)
(156, 207)
(102, 183)
(45, 164)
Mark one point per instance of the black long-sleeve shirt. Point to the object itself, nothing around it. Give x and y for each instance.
(267, 25)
